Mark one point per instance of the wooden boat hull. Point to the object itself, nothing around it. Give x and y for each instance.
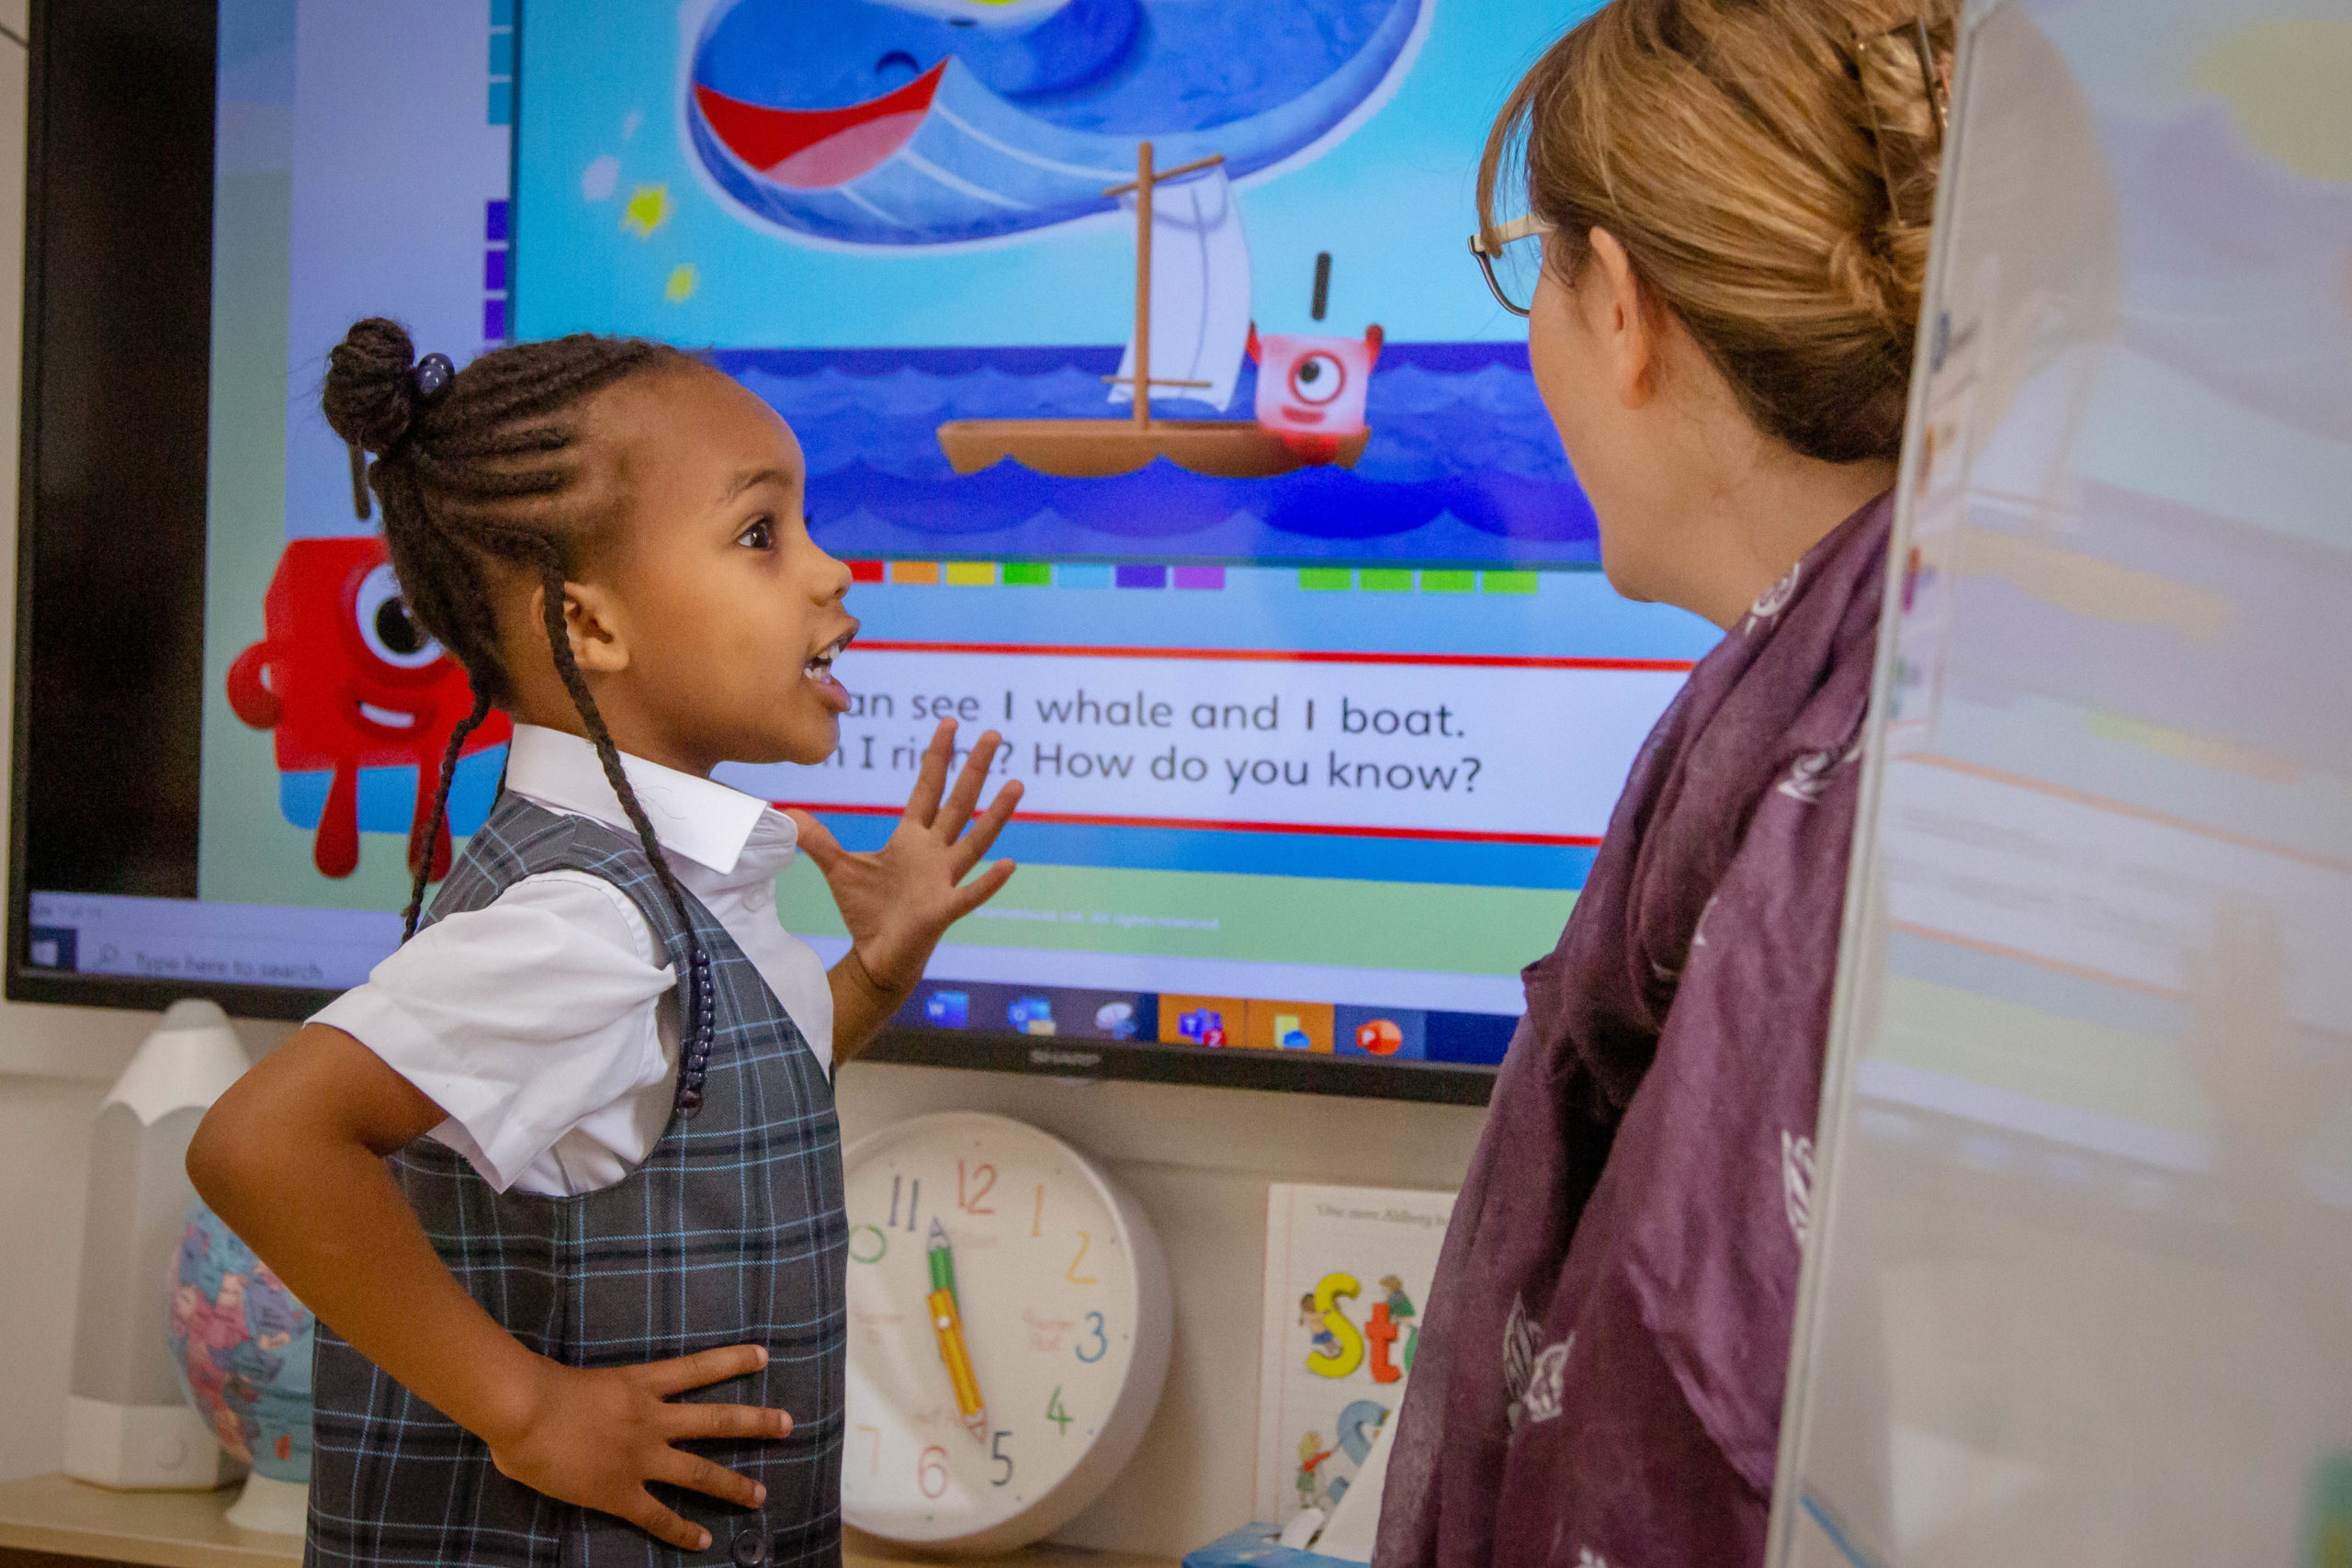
(1105, 448)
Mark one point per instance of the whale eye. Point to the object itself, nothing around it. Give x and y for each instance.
(1317, 378)
(898, 59)
(386, 625)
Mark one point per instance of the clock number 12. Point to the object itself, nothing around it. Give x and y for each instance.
(984, 1182)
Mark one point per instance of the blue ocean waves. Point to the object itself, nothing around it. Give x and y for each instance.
(1462, 464)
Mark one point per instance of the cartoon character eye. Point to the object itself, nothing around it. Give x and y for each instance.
(1317, 378)
(386, 625)
(898, 59)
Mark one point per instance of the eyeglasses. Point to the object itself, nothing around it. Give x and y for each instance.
(1512, 260)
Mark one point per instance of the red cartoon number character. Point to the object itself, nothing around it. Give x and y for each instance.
(348, 679)
(1311, 390)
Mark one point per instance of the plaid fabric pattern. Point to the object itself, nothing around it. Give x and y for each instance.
(732, 1232)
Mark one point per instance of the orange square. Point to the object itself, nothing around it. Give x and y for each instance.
(915, 572)
(1290, 1026)
(1201, 1021)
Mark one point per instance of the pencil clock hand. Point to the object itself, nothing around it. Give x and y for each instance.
(947, 1320)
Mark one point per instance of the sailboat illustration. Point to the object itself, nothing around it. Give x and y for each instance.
(1194, 316)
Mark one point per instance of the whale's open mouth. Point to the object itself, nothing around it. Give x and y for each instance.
(817, 149)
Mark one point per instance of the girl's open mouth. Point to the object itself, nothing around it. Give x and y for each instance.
(818, 671)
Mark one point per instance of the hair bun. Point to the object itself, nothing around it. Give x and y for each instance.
(370, 398)
(1868, 281)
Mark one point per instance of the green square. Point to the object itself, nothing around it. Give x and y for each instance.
(1325, 579)
(1387, 580)
(1510, 581)
(1028, 574)
(1449, 582)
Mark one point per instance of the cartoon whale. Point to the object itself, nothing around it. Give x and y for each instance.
(921, 122)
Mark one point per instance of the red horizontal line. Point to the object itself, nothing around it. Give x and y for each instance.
(1579, 840)
(1281, 655)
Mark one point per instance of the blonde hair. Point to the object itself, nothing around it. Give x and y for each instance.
(1769, 168)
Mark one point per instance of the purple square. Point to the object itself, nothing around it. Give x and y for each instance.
(1141, 577)
(494, 227)
(493, 269)
(1199, 577)
(494, 320)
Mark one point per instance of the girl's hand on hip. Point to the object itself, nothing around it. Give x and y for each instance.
(898, 900)
(596, 1436)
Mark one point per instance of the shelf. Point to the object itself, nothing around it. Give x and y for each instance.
(51, 1516)
(64, 1518)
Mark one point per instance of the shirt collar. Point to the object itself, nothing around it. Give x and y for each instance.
(700, 819)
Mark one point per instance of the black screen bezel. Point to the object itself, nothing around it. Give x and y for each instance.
(72, 106)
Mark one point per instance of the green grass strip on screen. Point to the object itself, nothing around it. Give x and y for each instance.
(1283, 920)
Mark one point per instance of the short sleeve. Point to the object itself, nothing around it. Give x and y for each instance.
(521, 1020)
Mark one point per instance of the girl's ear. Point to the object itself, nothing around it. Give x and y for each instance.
(598, 646)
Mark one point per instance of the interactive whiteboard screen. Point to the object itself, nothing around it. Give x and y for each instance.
(1321, 702)
(2080, 1282)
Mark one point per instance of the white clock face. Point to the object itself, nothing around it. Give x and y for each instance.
(1044, 1315)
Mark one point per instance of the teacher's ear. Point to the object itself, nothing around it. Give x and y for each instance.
(1626, 318)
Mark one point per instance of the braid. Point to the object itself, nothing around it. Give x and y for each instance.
(559, 645)
(423, 854)
(693, 1052)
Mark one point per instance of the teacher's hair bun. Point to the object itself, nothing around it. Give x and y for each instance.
(1769, 167)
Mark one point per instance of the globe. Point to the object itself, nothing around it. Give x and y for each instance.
(242, 1345)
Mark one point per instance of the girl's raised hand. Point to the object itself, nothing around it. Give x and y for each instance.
(597, 1438)
(898, 900)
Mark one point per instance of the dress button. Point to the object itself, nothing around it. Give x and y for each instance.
(751, 1547)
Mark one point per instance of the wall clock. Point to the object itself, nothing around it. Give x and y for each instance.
(1008, 1331)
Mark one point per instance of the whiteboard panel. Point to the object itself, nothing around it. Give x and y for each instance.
(2080, 1291)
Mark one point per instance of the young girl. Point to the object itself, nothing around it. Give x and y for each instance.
(600, 1068)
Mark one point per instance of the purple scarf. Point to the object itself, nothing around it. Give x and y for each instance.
(1600, 1375)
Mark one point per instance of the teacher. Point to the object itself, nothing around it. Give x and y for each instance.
(1721, 260)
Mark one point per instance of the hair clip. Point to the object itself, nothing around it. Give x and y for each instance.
(431, 378)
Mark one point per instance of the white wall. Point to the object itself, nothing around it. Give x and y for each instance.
(1198, 1160)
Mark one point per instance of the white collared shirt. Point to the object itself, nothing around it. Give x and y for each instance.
(545, 1023)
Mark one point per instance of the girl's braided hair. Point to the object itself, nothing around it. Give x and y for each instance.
(478, 474)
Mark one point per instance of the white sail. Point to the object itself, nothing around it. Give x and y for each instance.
(1200, 292)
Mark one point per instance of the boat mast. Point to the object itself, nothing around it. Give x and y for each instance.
(1143, 285)
(1143, 181)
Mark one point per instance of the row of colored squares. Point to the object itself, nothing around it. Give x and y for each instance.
(1314, 580)
(1404, 1034)
(495, 258)
(1405, 579)
(502, 64)
(1035, 574)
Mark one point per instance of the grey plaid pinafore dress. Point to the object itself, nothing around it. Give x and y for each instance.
(732, 1232)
